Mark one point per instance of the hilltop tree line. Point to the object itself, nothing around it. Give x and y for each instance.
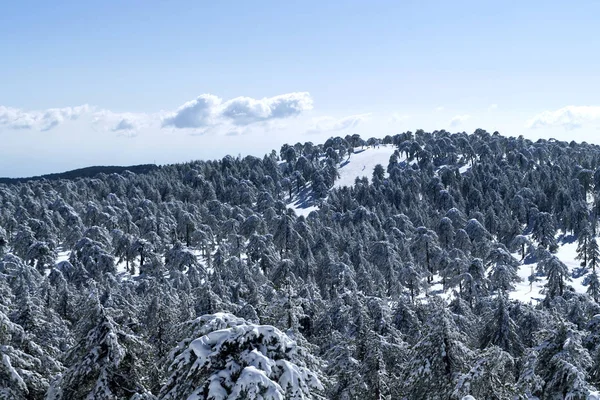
(197, 279)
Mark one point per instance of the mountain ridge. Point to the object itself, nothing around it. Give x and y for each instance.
(85, 172)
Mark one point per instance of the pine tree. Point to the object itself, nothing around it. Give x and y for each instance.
(563, 364)
(594, 286)
(503, 277)
(583, 246)
(234, 358)
(520, 243)
(593, 254)
(544, 230)
(425, 250)
(557, 273)
(491, 377)
(374, 369)
(437, 360)
(106, 363)
(500, 330)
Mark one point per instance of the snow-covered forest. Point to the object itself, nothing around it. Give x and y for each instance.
(415, 266)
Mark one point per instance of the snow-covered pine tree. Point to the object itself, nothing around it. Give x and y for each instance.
(233, 359)
(557, 273)
(544, 230)
(107, 362)
(437, 360)
(594, 286)
(500, 329)
(492, 376)
(562, 363)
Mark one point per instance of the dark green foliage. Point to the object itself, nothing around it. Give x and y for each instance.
(355, 282)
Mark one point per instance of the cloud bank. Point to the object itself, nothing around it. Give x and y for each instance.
(208, 110)
(459, 119)
(45, 120)
(327, 124)
(205, 111)
(397, 117)
(570, 117)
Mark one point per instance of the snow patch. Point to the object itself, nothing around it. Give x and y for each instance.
(362, 163)
(528, 292)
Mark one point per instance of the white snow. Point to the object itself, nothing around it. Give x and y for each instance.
(62, 255)
(527, 293)
(436, 288)
(259, 369)
(14, 376)
(362, 163)
(255, 383)
(465, 168)
(121, 266)
(302, 211)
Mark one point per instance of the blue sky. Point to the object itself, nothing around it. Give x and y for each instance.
(87, 83)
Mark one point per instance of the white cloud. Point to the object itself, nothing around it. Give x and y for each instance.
(570, 117)
(326, 124)
(459, 119)
(45, 120)
(125, 124)
(197, 113)
(397, 117)
(246, 110)
(209, 110)
(202, 114)
(440, 108)
(492, 107)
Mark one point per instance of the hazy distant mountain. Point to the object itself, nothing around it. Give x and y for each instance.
(88, 172)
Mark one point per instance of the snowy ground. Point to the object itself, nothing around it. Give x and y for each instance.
(62, 255)
(301, 209)
(362, 163)
(532, 293)
(465, 168)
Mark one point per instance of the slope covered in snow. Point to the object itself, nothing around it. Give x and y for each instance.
(361, 164)
(533, 292)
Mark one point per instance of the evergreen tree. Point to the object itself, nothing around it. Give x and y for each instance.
(583, 246)
(544, 230)
(437, 360)
(491, 377)
(557, 273)
(425, 250)
(594, 286)
(563, 363)
(234, 358)
(593, 254)
(106, 363)
(500, 330)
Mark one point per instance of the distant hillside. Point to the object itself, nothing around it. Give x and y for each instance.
(87, 172)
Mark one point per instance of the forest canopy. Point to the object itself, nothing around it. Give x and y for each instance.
(206, 279)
